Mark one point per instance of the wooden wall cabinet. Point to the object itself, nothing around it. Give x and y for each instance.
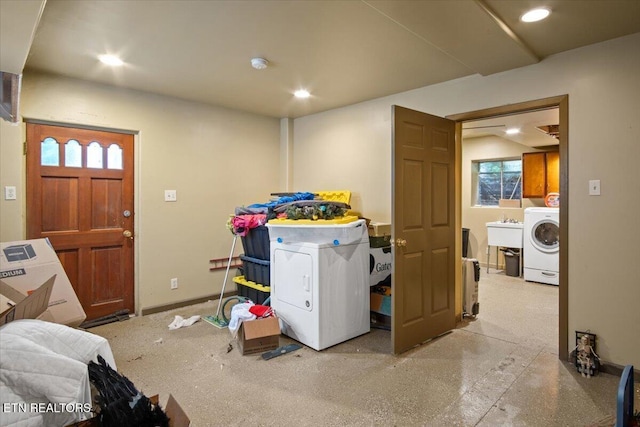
(540, 174)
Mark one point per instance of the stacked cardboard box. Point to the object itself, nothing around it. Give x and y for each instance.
(26, 265)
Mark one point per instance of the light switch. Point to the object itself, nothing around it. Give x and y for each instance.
(594, 187)
(9, 192)
(170, 196)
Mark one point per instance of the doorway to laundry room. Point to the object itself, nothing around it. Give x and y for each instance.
(503, 188)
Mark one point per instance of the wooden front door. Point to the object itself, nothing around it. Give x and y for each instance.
(423, 298)
(80, 197)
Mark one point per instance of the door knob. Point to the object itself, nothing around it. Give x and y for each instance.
(127, 233)
(401, 242)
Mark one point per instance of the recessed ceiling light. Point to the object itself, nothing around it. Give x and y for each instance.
(535, 15)
(301, 93)
(259, 63)
(512, 131)
(112, 60)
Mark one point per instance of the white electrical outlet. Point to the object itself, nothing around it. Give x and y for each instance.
(170, 196)
(9, 192)
(174, 283)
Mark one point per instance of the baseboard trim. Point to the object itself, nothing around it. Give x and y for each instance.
(185, 303)
(614, 369)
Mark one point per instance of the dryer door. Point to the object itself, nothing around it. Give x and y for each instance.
(545, 236)
(293, 278)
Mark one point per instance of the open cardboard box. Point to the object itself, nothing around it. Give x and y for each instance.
(19, 306)
(177, 416)
(26, 264)
(259, 335)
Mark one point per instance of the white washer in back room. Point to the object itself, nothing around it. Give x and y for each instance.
(542, 245)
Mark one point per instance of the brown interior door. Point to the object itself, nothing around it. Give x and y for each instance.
(423, 299)
(80, 197)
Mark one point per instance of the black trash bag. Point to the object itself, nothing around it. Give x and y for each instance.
(120, 404)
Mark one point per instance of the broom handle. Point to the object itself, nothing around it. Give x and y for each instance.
(226, 274)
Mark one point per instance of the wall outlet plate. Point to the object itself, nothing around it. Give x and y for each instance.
(170, 196)
(174, 283)
(10, 192)
(594, 187)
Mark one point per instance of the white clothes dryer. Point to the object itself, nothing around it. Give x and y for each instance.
(320, 281)
(542, 245)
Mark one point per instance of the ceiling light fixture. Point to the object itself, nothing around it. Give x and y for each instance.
(112, 60)
(535, 15)
(259, 63)
(512, 131)
(301, 93)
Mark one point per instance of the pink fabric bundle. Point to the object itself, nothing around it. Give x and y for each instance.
(243, 223)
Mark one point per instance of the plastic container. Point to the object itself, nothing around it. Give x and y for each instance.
(256, 243)
(256, 270)
(379, 241)
(512, 261)
(343, 196)
(334, 234)
(255, 292)
(314, 222)
(465, 242)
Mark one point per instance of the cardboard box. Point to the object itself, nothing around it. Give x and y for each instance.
(379, 229)
(177, 416)
(259, 335)
(380, 264)
(25, 265)
(19, 306)
(507, 203)
(380, 303)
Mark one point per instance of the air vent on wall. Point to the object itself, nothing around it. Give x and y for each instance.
(10, 96)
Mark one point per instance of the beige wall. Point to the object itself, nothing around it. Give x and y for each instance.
(475, 218)
(350, 148)
(11, 174)
(215, 158)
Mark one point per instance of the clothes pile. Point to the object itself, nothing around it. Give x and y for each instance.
(294, 206)
(247, 311)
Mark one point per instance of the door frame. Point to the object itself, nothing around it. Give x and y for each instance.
(136, 189)
(562, 103)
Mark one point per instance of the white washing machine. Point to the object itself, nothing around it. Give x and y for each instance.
(320, 281)
(542, 245)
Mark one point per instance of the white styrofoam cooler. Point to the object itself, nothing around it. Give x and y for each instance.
(320, 288)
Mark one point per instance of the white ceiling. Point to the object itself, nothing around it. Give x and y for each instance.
(343, 52)
(527, 123)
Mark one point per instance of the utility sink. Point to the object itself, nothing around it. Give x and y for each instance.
(505, 224)
(506, 234)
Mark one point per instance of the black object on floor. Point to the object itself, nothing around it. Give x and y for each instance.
(120, 403)
(280, 351)
(118, 316)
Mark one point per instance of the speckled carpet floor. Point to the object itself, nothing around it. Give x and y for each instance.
(501, 369)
